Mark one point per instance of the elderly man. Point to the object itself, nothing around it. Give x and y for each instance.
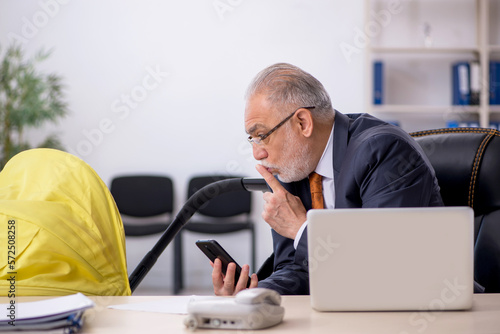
(358, 160)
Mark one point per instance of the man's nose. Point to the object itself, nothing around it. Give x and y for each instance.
(259, 152)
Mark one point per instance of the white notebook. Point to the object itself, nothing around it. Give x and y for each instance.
(391, 259)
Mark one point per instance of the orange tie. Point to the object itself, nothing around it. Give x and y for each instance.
(316, 191)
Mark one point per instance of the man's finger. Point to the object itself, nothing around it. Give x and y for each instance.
(217, 279)
(242, 281)
(270, 179)
(254, 281)
(229, 277)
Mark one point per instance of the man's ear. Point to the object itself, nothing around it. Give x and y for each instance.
(305, 122)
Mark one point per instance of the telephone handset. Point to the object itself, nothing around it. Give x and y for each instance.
(250, 309)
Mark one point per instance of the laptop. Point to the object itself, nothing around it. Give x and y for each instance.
(391, 259)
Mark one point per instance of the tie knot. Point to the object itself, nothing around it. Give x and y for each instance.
(314, 178)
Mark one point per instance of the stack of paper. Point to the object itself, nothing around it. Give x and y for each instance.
(61, 312)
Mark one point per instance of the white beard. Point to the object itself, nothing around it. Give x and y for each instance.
(298, 163)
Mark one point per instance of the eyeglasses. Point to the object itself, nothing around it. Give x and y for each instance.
(259, 138)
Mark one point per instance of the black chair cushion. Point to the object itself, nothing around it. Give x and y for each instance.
(487, 251)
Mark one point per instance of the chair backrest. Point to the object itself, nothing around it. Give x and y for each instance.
(143, 195)
(225, 205)
(467, 166)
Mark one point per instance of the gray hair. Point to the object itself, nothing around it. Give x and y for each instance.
(288, 87)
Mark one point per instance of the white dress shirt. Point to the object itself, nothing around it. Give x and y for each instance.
(325, 169)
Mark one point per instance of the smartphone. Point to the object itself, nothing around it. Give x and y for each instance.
(213, 250)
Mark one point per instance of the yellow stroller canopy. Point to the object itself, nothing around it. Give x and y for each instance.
(63, 224)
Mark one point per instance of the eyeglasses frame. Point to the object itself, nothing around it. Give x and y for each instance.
(259, 138)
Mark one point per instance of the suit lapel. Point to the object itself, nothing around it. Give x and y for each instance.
(340, 140)
(302, 190)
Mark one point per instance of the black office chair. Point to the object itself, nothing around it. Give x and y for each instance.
(223, 214)
(144, 196)
(467, 165)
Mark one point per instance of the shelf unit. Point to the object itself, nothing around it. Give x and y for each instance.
(471, 31)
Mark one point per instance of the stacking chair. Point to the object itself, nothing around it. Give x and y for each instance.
(226, 213)
(147, 198)
(467, 166)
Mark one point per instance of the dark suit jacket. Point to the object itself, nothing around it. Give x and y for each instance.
(375, 165)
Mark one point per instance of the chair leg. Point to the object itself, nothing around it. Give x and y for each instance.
(178, 268)
(254, 260)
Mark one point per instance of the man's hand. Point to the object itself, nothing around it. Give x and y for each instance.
(224, 284)
(283, 211)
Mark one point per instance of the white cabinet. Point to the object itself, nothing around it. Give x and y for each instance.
(418, 41)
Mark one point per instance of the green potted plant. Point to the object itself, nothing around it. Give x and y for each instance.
(28, 98)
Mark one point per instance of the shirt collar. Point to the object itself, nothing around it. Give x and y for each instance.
(325, 164)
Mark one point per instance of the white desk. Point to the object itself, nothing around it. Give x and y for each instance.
(300, 318)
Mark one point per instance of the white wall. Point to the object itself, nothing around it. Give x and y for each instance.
(188, 117)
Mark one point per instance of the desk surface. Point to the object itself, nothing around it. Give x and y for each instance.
(300, 318)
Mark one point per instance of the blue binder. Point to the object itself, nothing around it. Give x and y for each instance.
(494, 82)
(461, 83)
(378, 82)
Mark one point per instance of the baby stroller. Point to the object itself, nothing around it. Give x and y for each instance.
(61, 231)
